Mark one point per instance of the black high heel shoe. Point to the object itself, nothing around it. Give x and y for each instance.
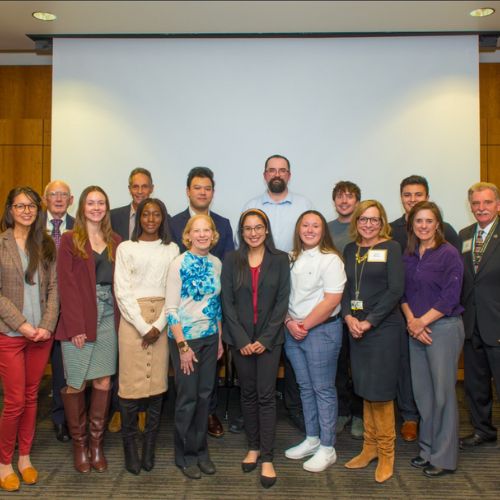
(248, 466)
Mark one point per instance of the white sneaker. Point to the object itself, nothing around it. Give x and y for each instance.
(308, 447)
(322, 459)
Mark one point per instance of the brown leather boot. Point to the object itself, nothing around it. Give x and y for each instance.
(369, 451)
(98, 413)
(76, 419)
(383, 415)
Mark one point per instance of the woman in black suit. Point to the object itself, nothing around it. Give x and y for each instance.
(255, 288)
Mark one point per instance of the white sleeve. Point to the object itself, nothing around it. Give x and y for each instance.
(161, 322)
(127, 303)
(333, 273)
(174, 285)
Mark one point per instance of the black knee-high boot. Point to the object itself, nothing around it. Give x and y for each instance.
(153, 414)
(129, 409)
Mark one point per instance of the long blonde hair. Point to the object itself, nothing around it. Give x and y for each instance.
(80, 234)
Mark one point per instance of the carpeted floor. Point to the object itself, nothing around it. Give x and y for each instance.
(478, 475)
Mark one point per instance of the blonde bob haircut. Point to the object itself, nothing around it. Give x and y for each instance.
(385, 229)
(185, 234)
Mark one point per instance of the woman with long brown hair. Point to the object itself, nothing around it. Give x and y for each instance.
(314, 336)
(28, 314)
(86, 326)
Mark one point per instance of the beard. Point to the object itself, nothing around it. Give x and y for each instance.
(276, 185)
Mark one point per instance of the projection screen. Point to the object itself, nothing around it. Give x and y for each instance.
(369, 110)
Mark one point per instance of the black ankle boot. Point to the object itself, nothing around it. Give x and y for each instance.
(129, 409)
(153, 414)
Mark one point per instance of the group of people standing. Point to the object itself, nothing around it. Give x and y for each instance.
(386, 299)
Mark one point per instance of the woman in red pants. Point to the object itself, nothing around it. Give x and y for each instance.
(29, 307)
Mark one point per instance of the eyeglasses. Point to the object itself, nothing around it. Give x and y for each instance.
(21, 207)
(58, 194)
(374, 221)
(277, 171)
(260, 228)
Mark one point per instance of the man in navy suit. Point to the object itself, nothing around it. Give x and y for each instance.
(200, 192)
(480, 298)
(58, 198)
(140, 186)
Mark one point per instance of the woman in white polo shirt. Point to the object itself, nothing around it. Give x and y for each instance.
(314, 336)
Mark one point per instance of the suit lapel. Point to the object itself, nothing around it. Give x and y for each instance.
(14, 252)
(90, 264)
(264, 270)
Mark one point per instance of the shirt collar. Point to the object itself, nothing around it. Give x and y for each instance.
(312, 252)
(267, 200)
(193, 213)
(487, 228)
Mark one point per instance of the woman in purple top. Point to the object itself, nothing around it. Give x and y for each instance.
(433, 280)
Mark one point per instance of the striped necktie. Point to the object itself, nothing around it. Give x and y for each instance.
(56, 231)
(478, 248)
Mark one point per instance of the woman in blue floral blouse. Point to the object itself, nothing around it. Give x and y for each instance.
(194, 320)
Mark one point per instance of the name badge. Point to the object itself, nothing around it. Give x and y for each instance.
(467, 245)
(356, 305)
(377, 255)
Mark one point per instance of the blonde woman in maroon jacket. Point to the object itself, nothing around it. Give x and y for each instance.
(87, 325)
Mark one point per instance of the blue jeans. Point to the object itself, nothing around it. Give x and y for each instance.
(314, 361)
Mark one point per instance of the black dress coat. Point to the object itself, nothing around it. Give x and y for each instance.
(375, 358)
(481, 290)
(272, 302)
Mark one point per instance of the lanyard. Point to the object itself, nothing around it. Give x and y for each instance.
(362, 261)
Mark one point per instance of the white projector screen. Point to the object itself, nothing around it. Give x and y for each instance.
(369, 110)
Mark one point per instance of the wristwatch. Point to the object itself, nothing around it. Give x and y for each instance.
(183, 346)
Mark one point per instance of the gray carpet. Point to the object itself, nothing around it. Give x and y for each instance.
(478, 475)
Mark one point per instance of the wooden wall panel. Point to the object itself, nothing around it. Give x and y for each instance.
(25, 91)
(21, 131)
(25, 127)
(489, 104)
(20, 165)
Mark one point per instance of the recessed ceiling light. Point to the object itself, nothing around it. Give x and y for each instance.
(44, 16)
(486, 11)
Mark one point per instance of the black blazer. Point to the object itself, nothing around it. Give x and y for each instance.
(120, 221)
(481, 290)
(223, 226)
(272, 302)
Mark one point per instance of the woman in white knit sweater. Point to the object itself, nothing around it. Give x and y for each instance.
(140, 288)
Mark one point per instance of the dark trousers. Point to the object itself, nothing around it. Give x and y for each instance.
(58, 383)
(192, 401)
(405, 399)
(481, 363)
(257, 375)
(349, 402)
(212, 407)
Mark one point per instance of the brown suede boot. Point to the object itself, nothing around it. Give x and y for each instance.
(98, 414)
(383, 415)
(369, 451)
(76, 418)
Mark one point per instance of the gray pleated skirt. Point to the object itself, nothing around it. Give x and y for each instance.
(95, 359)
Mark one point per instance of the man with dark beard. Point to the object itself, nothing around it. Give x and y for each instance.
(283, 209)
(280, 205)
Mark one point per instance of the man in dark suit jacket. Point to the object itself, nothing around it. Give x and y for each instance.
(413, 189)
(140, 186)
(481, 300)
(58, 198)
(200, 192)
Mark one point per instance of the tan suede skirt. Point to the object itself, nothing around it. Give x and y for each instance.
(142, 372)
